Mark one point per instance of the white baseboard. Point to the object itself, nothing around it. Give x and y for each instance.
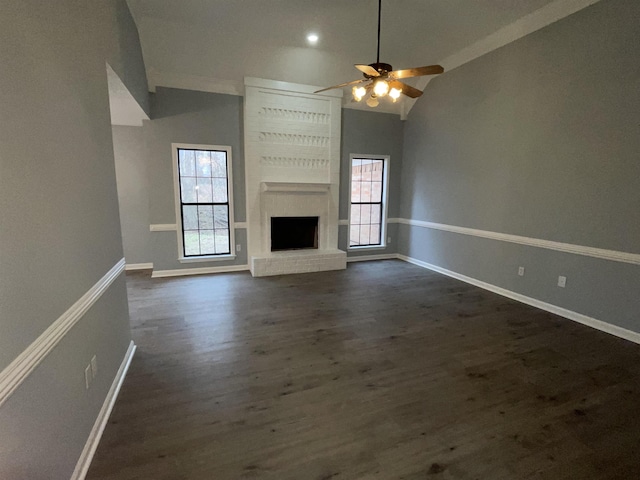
(563, 312)
(132, 267)
(198, 271)
(366, 258)
(82, 467)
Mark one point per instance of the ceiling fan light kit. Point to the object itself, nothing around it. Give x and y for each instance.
(381, 80)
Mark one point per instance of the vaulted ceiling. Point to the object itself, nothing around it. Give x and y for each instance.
(213, 44)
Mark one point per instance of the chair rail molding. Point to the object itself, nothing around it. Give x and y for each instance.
(163, 227)
(602, 253)
(20, 368)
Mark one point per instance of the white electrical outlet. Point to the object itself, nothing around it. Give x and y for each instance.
(94, 366)
(388, 239)
(521, 271)
(562, 281)
(238, 247)
(87, 376)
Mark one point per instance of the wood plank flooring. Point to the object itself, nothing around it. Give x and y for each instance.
(382, 371)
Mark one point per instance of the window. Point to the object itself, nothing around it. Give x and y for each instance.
(367, 201)
(203, 200)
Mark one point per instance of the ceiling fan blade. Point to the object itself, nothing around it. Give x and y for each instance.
(408, 90)
(368, 70)
(342, 85)
(417, 72)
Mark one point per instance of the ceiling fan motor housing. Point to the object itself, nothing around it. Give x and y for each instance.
(382, 68)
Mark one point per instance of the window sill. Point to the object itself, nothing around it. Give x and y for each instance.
(366, 248)
(206, 258)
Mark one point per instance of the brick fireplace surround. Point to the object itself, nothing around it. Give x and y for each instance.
(292, 158)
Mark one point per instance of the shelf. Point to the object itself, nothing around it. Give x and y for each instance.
(289, 187)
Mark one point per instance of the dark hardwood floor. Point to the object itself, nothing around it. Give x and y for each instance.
(382, 371)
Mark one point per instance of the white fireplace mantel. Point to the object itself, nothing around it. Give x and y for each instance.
(291, 187)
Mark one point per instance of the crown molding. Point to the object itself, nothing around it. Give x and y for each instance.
(193, 82)
(522, 27)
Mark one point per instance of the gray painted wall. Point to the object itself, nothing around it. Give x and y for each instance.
(60, 225)
(184, 116)
(371, 133)
(177, 116)
(125, 54)
(539, 139)
(133, 192)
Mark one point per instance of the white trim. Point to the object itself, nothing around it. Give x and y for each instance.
(82, 466)
(18, 370)
(290, 87)
(366, 258)
(132, 267)
(172, 227)
(198, 271)
(368, 248)
(613, 255)
(543, 17)
(345, 221)
(206, 258)
(163, 227)
(385, 201)
(563, 312)
(289, 187)
(193, 82)
(176, 187)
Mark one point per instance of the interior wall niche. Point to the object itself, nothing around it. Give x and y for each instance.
(294, 233)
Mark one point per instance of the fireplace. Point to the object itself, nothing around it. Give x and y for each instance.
(294, 233)
(292, 163)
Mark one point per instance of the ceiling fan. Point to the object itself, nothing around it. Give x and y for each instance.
(381, 80)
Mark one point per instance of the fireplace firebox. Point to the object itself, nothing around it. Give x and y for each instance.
(294, 233)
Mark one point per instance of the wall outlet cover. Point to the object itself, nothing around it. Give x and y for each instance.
(521, 271)
(562, 281)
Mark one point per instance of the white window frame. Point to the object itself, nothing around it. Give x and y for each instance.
(385, 201)
(176, 189)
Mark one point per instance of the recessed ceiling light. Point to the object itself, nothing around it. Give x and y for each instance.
(312, 38)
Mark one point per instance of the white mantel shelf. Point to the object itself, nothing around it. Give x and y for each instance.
(288, 187)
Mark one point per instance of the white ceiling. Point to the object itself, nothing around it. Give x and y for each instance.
(215, 43)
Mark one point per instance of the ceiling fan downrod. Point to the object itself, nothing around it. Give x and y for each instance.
(379, 17)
